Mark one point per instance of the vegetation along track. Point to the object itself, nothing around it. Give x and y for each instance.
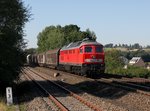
(85, 105)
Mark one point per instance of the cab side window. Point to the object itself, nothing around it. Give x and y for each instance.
(81, 51)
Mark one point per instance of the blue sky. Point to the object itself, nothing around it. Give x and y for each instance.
(113, 21)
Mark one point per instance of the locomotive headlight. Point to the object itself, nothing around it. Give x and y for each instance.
(93, 60)
(99, 60)
(87, 60)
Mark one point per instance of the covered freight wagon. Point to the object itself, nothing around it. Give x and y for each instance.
(52, 58)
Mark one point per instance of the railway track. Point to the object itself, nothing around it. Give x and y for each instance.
(62, 105)
(48, 104)
(118, 97)
(127, 86)
(138, 85)
(139, 81)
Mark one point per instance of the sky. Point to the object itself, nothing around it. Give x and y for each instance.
(113, 21)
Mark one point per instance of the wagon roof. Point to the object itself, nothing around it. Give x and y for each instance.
(53, 51)
(41, 53)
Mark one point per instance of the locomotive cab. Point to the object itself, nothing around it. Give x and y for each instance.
(93, 58)
(93, 54)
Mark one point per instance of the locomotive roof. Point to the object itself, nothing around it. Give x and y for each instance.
(80, 43)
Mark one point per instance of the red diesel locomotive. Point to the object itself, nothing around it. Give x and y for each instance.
(82, 57)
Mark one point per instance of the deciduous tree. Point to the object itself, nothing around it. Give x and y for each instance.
(13, 16)
(56, 36)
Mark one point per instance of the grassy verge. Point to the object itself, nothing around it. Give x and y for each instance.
(4, 107)
(22, 107)
(132, 71)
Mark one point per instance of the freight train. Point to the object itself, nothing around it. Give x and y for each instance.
(83, 57)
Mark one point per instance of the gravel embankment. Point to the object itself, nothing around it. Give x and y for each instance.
(107, 97)
(31, 98)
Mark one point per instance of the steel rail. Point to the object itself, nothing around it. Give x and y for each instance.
(124, 85)
(71, 93)
(57, 103)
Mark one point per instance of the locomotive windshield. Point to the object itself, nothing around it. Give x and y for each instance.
(99, 49)
(88, 49)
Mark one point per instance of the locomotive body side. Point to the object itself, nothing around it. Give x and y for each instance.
(83, 57)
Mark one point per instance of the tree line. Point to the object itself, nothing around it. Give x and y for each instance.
(57, 36)
(139, 53)
(134, 46)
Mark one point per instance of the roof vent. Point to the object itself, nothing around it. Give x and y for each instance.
(69, 44)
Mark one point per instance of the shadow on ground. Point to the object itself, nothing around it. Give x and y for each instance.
(26, 90)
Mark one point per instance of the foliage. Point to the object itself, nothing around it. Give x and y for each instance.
(134, 46)
(114, 65)
(56, 36)
(30, 51)
(4, 107)
(139, 53)
(13, 16)
(109, 45)
(133, 71)
(113, 61)
(91, 34)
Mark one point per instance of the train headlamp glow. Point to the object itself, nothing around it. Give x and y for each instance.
(93, 60)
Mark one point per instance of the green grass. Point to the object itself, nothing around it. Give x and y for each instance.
(22, 107)
(4, 107)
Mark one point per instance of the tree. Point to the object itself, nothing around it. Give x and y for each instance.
(109, 45)
(50, 38)
(91, 34)
(113, 61)
(56, 36)
(71, 33)
(13, 16)
(30, 51)
(136, 46)
(148, 46)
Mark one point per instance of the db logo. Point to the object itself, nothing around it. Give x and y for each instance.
(93, 57)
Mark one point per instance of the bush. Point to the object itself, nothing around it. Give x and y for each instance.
(115, 66)
(137, 72)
